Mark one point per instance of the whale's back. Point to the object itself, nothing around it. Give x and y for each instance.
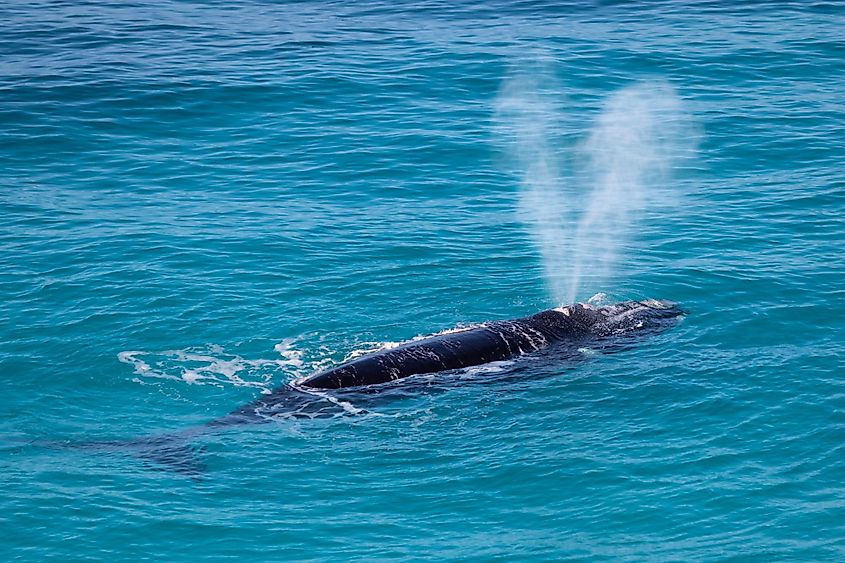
(453, 350)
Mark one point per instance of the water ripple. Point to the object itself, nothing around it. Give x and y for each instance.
(187, 185)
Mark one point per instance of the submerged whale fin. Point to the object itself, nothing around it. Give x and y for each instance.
(170, 452)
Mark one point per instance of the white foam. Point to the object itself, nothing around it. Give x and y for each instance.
(212, 365)
(491, 367)
(371, 348)
(292, 356)
(345, 405)
(190, 376)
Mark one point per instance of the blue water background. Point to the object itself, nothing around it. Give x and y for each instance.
(203, 200)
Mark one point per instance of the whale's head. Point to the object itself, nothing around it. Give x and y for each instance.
(648, 315)
(624, 318)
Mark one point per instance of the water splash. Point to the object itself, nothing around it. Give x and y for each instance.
(212, 365)
(581, 212)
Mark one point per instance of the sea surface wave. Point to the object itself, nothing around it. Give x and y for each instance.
(203, 201)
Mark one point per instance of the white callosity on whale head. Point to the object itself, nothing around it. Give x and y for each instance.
(567, 309)
(598, 299)
(618, 311)
(659, 303)
(633, 315)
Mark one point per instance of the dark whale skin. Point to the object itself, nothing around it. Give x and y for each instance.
(491, 342)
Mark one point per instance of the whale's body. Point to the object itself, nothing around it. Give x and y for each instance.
(566, 330)
(494, 341)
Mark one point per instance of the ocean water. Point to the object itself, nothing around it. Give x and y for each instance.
(204, 200)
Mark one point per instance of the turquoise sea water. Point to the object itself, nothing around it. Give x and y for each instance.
(201, 201)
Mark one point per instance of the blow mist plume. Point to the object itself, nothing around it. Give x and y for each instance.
(581, 216)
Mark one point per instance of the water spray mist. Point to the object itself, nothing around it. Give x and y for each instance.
(582, 216)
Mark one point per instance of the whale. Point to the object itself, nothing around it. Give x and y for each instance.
(566, 330)
(495, 341)
(562, 333)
